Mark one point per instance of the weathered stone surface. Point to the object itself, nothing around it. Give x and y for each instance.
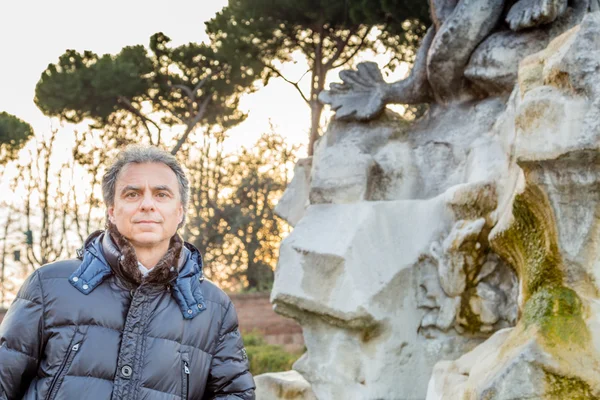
(494, 64)
(292, 204)
(358, 271)
(344, 161)
(420, 242)
(462, 55)
(548, 232)
(530, 13)
(289, 385)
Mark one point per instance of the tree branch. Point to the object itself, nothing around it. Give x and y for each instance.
(128, 106)
(191, 93)
(185, 89)
(358, 48)
(301, 46)
(191, 125)
(200, 84)
(339, 48)
(294, 84)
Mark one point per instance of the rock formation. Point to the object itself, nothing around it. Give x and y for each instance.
(456, 257)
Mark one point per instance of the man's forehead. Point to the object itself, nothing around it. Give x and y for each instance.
(155, 174)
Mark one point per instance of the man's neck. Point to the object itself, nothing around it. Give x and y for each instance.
(150, 256)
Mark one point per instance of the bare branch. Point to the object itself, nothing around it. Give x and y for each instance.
(358, 48)
(76, 216)
(294, 84)
(303, 75)
(191, 93)
(200, 84)
(185, 89)
(191, 124)
(339, 48)
(9, 221)
(301, 46)
(128, 106)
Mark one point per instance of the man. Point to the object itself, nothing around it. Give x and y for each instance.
(133, 318)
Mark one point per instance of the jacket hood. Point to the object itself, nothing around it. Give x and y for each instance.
(102, 257)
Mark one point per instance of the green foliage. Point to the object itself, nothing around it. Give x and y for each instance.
(403, 24)
(258, 35)
(85, 85)
(232, 214)
(14, 133)
(264, 357)
(393, 15)
(188, 85)
(260, 177)
(188, 75)
(329, 33)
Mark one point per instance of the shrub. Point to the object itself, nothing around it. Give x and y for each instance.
(264, 357)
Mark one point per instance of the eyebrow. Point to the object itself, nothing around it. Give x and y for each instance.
(154, 188)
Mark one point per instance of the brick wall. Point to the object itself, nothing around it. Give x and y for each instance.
(255, 313)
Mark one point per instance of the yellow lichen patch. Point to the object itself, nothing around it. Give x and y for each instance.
(537, 114)
(559, 79)
(473, 201)
(469, 321)
(531, 70)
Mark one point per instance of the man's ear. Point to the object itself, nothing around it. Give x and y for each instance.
(180, 213)
(111, 214)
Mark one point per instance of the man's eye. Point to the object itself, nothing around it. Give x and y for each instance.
(131, 194)
(162, 194)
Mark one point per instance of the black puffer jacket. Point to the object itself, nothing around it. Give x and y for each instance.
(77, 330)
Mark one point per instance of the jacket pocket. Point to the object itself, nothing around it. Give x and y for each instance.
(185, 375)
(74, 347)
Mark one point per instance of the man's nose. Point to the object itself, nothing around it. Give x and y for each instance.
(147, 202)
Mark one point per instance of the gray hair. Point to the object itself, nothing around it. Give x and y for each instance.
(139, 154)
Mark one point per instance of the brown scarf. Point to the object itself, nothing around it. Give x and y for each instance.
(163, 272)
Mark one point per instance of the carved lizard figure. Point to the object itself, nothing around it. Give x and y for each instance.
(459, 26)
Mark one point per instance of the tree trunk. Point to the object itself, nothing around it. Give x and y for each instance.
(319, 72)
(4, 251)
(316, 110)
(259, 276)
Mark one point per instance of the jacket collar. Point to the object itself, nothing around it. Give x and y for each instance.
(101, 257)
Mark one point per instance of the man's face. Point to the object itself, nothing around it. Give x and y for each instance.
(147, 207)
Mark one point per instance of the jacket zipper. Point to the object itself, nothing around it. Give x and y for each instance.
(185, 388)
(64, 367)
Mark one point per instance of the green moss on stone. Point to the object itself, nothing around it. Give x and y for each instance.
(530, 244)
(469, 321)
(558, 314)
(561, 387)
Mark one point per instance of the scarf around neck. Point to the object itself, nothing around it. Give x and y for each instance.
(126, 265)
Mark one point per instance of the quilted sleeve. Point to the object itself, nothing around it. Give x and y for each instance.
(20, 340)
(229, 377)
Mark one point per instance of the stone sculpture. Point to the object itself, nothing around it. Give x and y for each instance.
(456, 257)
(548, 233)
(452, 64)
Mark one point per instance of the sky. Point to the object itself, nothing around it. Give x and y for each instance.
(36, 33)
